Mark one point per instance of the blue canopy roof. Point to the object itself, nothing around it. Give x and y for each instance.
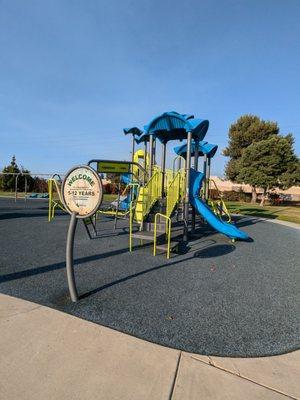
(142, 139)
(175, 126)
(133, 131)
(204, 148)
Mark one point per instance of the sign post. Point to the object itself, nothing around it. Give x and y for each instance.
(69, 258)
(82, 195)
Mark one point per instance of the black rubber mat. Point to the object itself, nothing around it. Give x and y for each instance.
(220, 298)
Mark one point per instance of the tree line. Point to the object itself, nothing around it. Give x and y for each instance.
(8, 180)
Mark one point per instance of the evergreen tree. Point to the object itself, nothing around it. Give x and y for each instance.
(8, 181)
(248, 129)
(270, 163)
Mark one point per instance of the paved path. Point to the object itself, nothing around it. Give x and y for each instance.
(47, 354)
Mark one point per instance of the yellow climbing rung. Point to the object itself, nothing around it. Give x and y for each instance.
(168, 233)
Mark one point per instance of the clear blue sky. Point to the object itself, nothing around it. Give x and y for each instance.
(74, 73)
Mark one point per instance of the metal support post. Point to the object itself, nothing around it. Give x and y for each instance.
(133, 149)
(118, 205)
(69, 258)
(187, 187)
(145, 155)
(204, 172)
(179, 163)
(207, 178)
(196, 156)
(25, 187)
(16, 187)
(163, 168)
(150, 155)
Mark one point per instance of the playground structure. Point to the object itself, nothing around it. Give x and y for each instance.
(161, 202)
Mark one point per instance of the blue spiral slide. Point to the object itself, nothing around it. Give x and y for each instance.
(230, 230)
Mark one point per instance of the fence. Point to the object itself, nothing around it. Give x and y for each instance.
(23, 182)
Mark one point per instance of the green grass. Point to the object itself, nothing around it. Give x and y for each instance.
(110, 197)
(283, 213)
(11, 194)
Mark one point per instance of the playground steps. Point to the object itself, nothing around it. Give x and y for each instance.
(159, 207)
(149, 236)
(160, 226)
(164, 246)
(146, 235)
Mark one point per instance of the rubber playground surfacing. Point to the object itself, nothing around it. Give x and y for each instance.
(219, 298)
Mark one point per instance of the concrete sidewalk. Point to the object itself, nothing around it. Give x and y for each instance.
(46, 354)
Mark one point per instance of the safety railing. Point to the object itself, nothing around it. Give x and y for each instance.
(148, 195)
(132, 211)
(130, 226)
(131, 187)
(168, 179)
(54, 203)
(181, 161)
(153, 191)
(132, 207)
(219, 206)
(173, 195)
(26, 185)
(168, 233)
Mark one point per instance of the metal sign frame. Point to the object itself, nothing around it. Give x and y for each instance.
(98, 179)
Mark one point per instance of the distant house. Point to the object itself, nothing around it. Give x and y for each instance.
(292, 194)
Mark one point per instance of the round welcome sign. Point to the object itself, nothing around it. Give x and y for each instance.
(82, 191)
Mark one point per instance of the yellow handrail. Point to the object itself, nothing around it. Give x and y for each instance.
(130, 226)
(216, 187)
(226, 212)
(132, 206)
(148, 195)
(173, 195)
(174, 162)
(168, 233)
(219, 206)
(117, 212)
(169, 176)
(52, 203)
(50, 192)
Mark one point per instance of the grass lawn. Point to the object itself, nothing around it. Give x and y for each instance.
(10, 194)
(110, 197)
(283, 213)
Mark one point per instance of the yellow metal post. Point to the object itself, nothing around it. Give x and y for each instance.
(50, 190)
(130, 228)
(168, 229)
